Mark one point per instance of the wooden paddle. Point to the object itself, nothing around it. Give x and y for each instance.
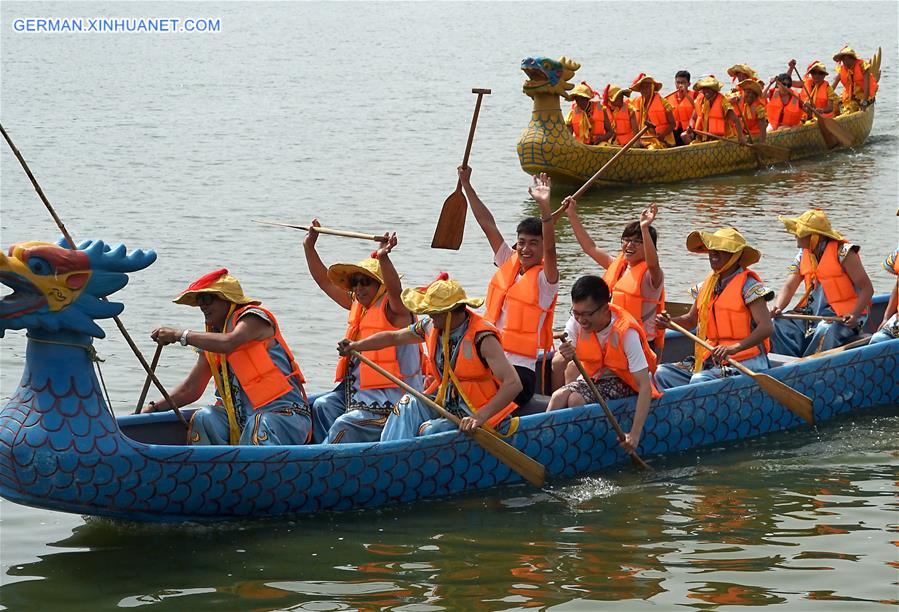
(602, 403)
(527, 468)
(839, 349)
(146, 389)
(451, 224)
(832, 132)
(774, 152)
(805, 317)
(799, 404)
(325, 230)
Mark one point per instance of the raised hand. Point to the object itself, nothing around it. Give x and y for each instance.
(311, 235)
(541, 188)
(649, 215)
(387, 244)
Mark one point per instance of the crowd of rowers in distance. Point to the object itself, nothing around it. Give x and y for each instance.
(750, 110)
(482, 366)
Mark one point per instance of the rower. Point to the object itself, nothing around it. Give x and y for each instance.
(652, 106)
(356, 410)
(889, 328)
(729, 312)
(612, 346)
(474, 379)
(259, 386)
(836, 284)
(823, 97)
(619, 120)
(783, 107)
(633, 275)
(740, 73)
(682, 102)
(859, 85)
(713, 112)
(522, 294)
(585, 120)
(751, 109)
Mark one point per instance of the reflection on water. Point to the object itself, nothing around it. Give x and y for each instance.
(692, 532)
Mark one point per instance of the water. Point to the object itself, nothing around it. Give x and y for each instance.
(357, 114)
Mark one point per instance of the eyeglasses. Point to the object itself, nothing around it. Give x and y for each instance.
(631, 241)
(361, 281)
(205, 299)
(583, 315)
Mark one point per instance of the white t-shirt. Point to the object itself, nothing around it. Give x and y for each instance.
(547, 293)
(633, 348)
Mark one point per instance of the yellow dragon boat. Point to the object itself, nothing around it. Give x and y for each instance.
(547, 145)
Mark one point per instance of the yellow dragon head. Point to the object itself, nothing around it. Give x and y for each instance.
(548, 76)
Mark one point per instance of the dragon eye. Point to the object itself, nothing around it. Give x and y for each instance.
(39, 266)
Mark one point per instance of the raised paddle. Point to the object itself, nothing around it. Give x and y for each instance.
(527, 468)
(832, 132)
(146, 389)
(798, 403)
(774, 152)
(805, 317)
(605, 407)
(451, 224)
(325, 230)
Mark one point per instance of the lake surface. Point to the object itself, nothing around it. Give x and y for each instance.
(358, 114)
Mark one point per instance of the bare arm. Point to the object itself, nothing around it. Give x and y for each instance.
(644, 398)
(397, 312)
(481, 213)
(764, 327)
(737, 123)
(852, 264)
(892, 305)
(649, 248)
(583, 238)
(319, 271)
(540, 191)
(379, 341)
(786, 293)
(509, 384)
(248, 328)
(607, 126)
(188, 391)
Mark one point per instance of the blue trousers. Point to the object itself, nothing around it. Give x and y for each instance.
(333, 423)
(890, 331)
(670, 375)
(802, 338)
(267, 427)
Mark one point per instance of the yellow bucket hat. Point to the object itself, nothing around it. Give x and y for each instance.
(612, 93)
(340, 273)
(817, 66)
(812, 221)
(218, 283)
(744, 68)
(726, 239)
(640, 78)
(709, 82)
(751, 84)
(582, 90)
(847, 50)
(439, 296)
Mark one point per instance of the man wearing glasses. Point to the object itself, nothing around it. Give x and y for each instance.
(259, 386)
(357, 409)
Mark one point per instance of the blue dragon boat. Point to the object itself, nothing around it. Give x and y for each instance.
(62, 449)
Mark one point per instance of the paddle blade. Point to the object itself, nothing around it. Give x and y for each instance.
(779, 154)
(830, 127)
(516, 460)
(799, 404)
(451, 224)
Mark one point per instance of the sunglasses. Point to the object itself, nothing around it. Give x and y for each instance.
(205, 299)
(361, 281)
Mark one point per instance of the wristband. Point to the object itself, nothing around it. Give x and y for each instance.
(183, 338)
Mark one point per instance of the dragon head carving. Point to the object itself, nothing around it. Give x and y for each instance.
(548, 76)
(60, 289)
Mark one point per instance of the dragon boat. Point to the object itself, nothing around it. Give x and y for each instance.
(61, 448)
(547, 145)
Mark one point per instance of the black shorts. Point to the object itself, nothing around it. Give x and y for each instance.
(528, 383)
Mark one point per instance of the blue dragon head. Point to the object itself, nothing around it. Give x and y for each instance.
(60, 289)
(548, 76)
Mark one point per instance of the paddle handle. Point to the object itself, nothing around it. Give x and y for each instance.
(324, 230)
(804, 317)
(805, 89)
(146, 389)
(709, 347)
(628, 145)
(722, 138)
(474, 123)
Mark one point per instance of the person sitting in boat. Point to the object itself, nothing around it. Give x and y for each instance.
(836, 284)
(356, 410)
(823, 97)
(259, 386)
(752, 110)
(521, 296)
(889, 327)
(619, 120)
(784, 107)
(651, 105)
(739, 73)
(612, 346)
(473, 377)
(633, 275)
(585, 120)
(713, 113)
(859, 85)
(682, 104)
(729, 312)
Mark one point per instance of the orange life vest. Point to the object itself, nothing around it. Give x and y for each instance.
(521, 333)
(625, 284)
(259, 377)
(682, 109)
(716, 122)
(854, 84)
(750, 116)
(620, 121)
(362, 323)
(820, 94)
(596, 124)
(838, 287)
(477, 383)
(779, 114)
(658, 116)
(611, 355)
(730, 321)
